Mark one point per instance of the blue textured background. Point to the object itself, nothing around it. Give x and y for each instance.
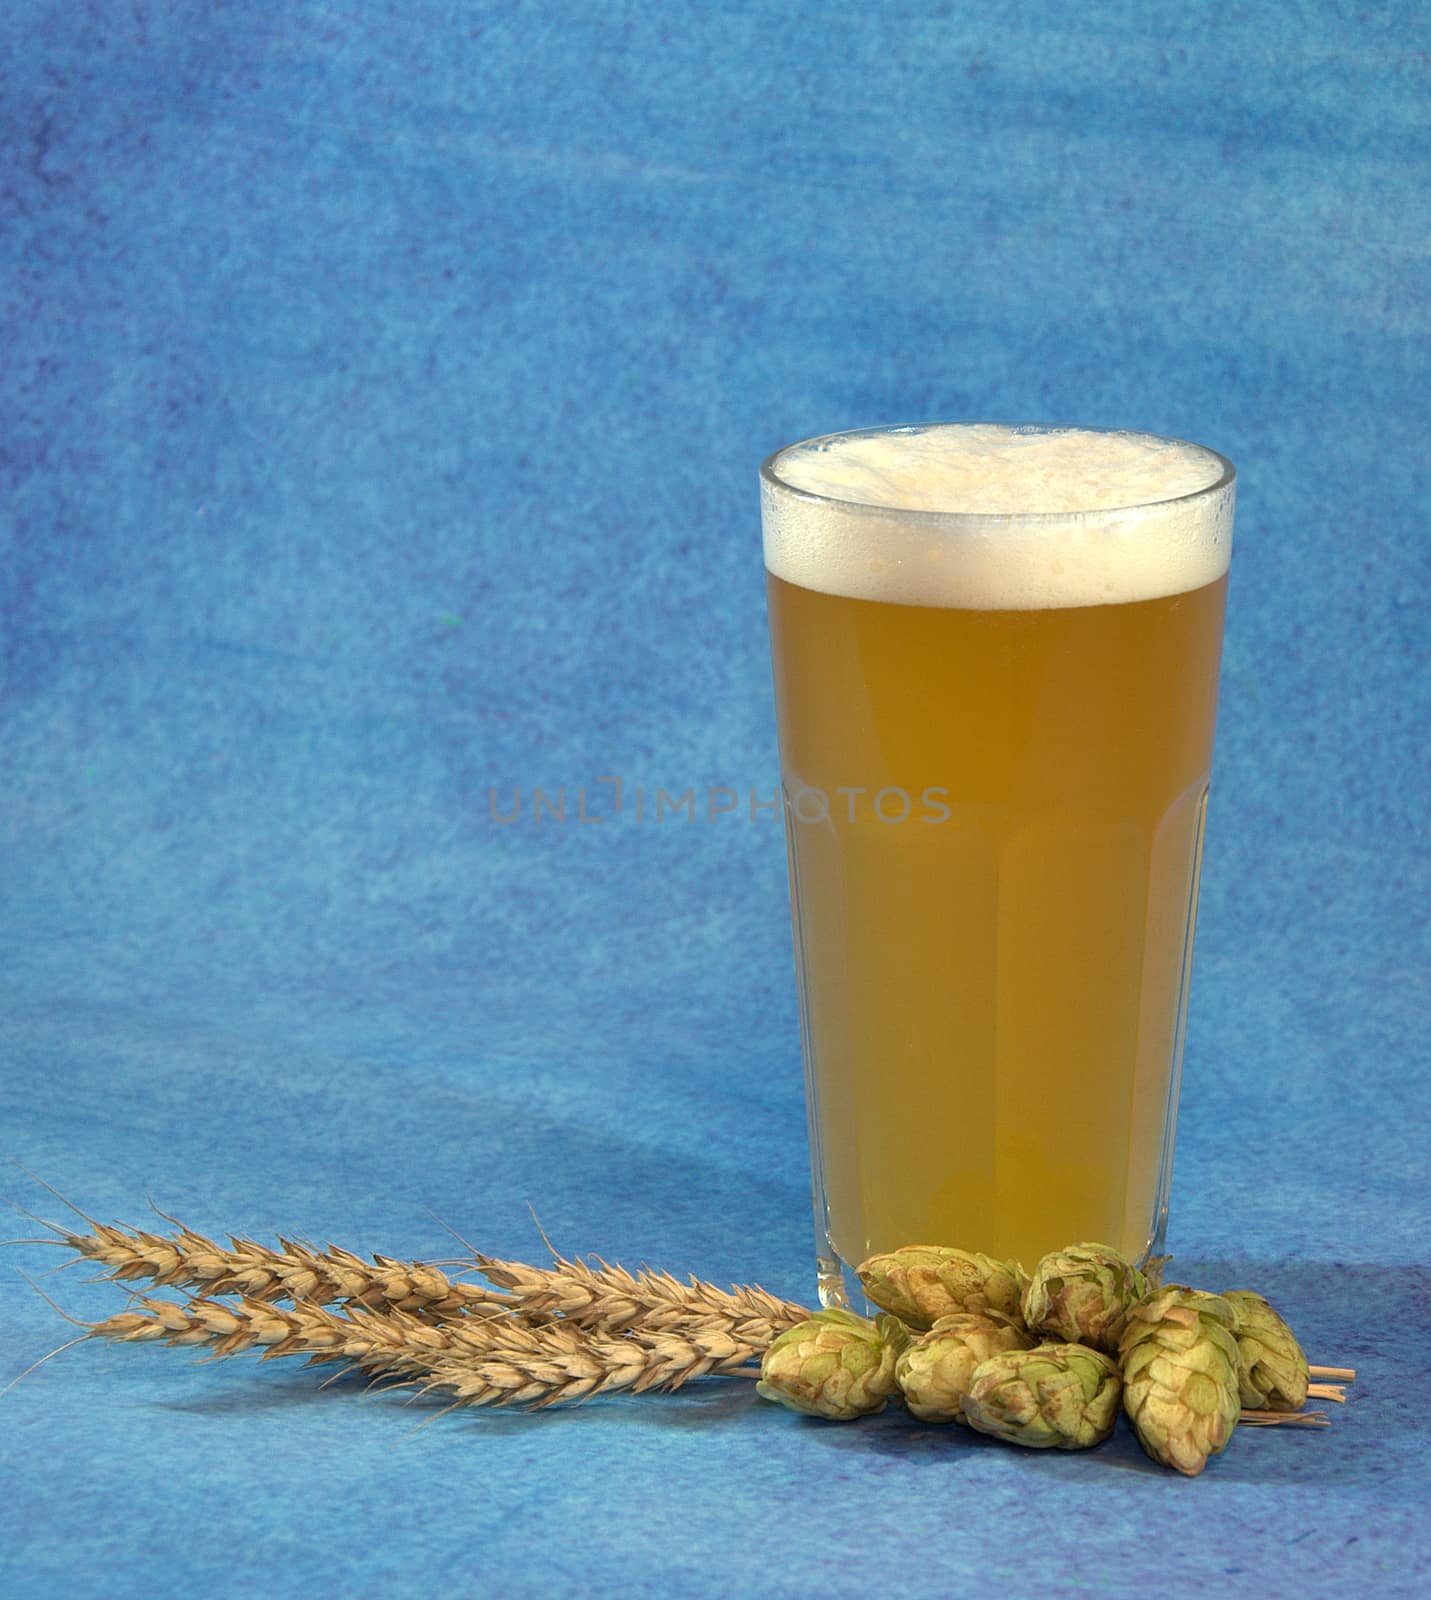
(382, 395)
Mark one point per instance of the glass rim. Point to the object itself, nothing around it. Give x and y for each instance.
(769, 475)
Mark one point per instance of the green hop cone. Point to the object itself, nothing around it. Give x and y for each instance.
(1057, 1397)
(1272, 1371)
(1083, 1295)
(922, 1282)
(934, 1373)
(835, 1365)
(1180, 1375)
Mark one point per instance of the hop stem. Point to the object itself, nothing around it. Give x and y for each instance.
(1283, 1419)
(1327, 1391)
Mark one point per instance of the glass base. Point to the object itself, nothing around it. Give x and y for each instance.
(839, 1288)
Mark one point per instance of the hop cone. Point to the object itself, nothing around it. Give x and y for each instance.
(934, 1373)
(1083, 1294)
(1273, 1370)
(1057, 1397)
(1180, 1384)
(835, 1365)
(923, 1282)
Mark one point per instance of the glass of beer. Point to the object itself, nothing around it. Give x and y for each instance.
(996, 655)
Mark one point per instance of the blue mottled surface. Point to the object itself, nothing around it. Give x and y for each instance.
(382, 394)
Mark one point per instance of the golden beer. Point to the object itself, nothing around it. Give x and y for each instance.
(995, 818)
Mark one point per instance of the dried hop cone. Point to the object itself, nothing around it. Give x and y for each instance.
(835, 1365)
(1180, 1375)
(1272, 1371)
(934, 1373)
(1083, 1294)
(923, 1282)
(1057, 1397)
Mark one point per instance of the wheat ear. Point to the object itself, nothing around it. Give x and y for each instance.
(596, 1296)
(495, 1359)
(559, 1364)
(609, 1299)
(227, 1328)
(189, 1260)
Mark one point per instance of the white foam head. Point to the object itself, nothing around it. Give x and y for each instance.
(992, 516)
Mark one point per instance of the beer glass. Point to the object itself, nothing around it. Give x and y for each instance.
(995, 653)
